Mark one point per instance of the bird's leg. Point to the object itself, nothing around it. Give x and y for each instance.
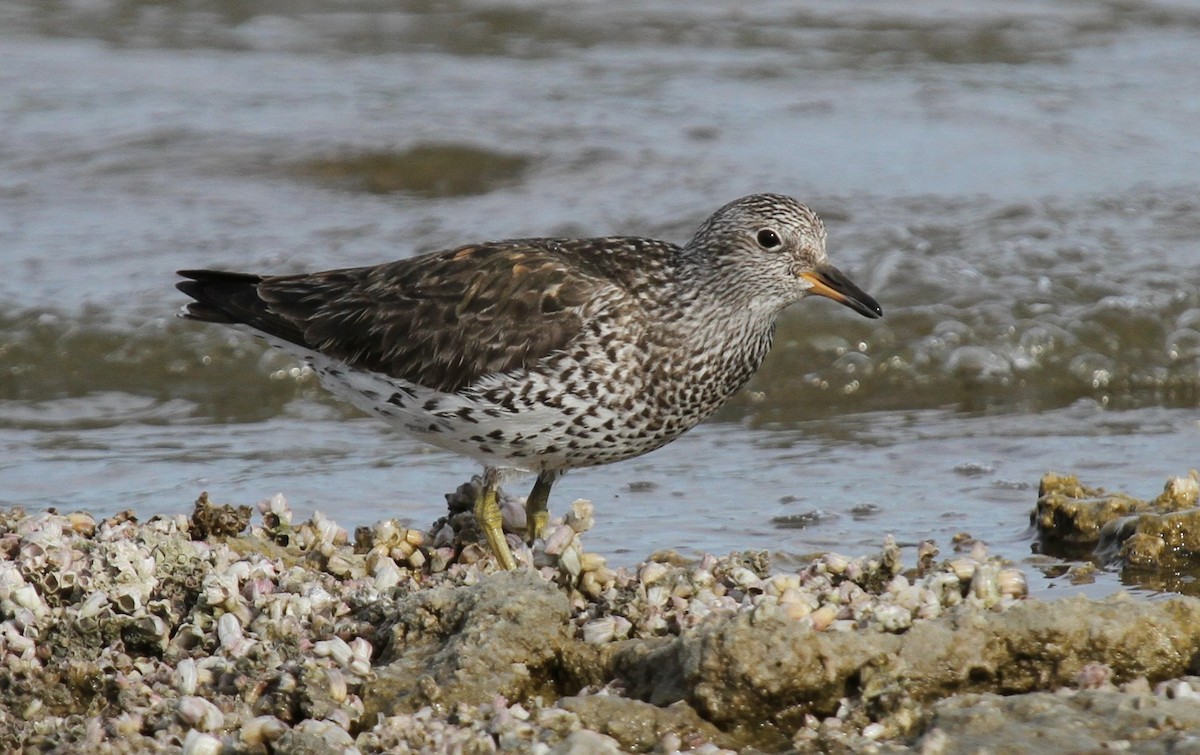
(487, 516)
(537, 513)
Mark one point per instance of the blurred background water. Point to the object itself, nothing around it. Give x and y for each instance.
(1016, 183)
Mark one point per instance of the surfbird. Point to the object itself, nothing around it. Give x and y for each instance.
(542, 355)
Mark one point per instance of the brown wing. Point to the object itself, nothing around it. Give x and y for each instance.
(442, 320)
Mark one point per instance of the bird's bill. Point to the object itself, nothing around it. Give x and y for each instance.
(830, 282)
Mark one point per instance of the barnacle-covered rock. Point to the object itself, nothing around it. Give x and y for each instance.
(1154, 542)
(119, 635)
(212, 520)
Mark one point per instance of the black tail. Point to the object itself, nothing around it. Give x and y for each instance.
(233, 298)
(220, 296)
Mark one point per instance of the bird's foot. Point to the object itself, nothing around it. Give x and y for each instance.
(537, 514)
(489, 519)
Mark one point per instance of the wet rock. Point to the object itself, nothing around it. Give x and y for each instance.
(468, 644)
(770, 675)
(639, 726)
(1155, 542)
(1088, 721)
(1071, 513)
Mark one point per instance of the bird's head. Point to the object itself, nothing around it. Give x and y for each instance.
(771, 248)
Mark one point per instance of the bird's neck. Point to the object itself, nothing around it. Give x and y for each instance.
(717, 326)
(722, 294)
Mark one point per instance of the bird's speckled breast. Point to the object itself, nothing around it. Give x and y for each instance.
(629, 385)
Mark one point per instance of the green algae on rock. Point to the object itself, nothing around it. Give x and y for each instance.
(424, 170)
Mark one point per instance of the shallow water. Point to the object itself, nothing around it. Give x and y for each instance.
(1017, 185)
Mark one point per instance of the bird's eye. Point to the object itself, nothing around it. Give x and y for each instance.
(768, 239)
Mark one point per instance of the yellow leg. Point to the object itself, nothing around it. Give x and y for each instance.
(537, 513)
(487, 516)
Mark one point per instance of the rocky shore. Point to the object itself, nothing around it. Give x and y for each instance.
(233, 631)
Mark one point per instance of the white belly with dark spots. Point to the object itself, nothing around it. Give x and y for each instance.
(578, 411)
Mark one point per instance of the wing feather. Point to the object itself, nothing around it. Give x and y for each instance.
(442, 320)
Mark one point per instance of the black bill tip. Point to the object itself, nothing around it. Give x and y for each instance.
(832, 283)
